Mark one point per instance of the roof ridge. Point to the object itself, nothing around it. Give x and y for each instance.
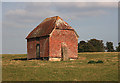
(57, 17)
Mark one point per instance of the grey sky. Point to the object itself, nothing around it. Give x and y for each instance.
(89, 19)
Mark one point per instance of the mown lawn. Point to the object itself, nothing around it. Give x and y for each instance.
(78, 70)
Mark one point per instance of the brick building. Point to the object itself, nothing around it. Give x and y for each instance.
(54, 40)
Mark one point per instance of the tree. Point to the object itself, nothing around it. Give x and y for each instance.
(118, 47)
(109, 47)
(98, 45)
(85, 47)
(93, 45)
(80, 46)
(88, 47)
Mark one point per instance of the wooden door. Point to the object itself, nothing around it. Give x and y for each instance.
(64, 53)
(38, 51)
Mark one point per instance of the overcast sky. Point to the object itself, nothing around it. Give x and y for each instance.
(89, 19)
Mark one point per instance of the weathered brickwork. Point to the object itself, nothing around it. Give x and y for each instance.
(44, 47)
(31, 47)
(68, 37)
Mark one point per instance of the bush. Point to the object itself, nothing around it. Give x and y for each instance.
(99, 61)
(93, 62)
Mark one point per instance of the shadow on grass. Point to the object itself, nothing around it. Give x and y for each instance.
(23, 59)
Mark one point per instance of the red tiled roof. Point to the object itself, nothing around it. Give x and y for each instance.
(47, 26)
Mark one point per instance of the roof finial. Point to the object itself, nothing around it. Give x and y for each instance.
(57, 17)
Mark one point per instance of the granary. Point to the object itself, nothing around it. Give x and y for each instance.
(54, 40)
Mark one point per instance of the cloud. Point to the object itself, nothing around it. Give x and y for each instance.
(33, 12)
(88, 4)
(90, 13)
(12, 24)
(19, 12)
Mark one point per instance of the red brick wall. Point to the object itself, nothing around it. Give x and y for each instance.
(63, 36)
(31, 47)
(52, 46)
(44, 47)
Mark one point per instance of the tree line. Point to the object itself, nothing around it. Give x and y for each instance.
(94, 45)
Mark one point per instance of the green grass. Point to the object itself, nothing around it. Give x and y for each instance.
(78, 70)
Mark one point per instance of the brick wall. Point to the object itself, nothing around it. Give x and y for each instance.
(31, 47)
(67, 37)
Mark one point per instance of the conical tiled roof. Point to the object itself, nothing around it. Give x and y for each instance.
(47, 26)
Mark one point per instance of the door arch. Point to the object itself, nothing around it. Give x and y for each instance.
(37, 51)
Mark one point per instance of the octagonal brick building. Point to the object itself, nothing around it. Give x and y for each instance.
(53, 39)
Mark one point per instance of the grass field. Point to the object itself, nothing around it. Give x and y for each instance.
(78, 70)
